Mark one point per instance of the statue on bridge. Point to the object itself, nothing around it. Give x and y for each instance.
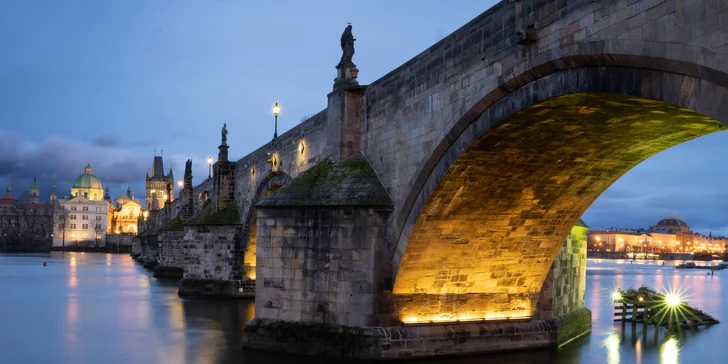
(224, 134)
(347, 46)
(346, 71)
(188, 170)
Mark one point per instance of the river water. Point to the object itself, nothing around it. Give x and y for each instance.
(104, 308)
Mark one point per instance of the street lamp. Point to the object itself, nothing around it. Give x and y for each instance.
(180, 184)
(209, 170)
(276, 111)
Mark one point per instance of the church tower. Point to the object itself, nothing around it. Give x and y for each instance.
(34, 192)
(53, 191)
(160, 187)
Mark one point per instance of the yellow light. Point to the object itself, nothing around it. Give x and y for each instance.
(616, 296)
(276, 109)
(180, 184)
(672, 300)
(301, 147)
(209, 160)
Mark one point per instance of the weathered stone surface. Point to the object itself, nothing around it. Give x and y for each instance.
(213, 262)
(349, 183)
(407, 342)
(564, 289)
(171, 254)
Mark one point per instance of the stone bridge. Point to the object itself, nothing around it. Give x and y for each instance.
(425, 212)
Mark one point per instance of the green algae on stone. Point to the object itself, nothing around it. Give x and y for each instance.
(352, 182)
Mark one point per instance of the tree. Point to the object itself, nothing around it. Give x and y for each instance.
(62, 219)
(98, 229)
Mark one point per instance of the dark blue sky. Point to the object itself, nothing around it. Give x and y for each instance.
(107, 82)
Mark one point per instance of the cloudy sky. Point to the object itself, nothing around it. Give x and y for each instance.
(108, 82)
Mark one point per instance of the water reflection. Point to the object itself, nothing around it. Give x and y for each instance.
(611, 344)
(98, 308)
(669, 352)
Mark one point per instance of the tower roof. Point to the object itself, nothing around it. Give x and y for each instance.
(34, 185)
(157, 167)
(8, 199)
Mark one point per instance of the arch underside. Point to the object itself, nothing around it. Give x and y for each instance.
(269, 186)
(486, 238)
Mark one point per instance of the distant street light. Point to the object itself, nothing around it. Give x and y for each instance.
(209, 170)
(276, 111)
(180, 184)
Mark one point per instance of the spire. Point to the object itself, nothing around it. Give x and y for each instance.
(128, 191)
(9, 191)
(171, 176)
(53, 186)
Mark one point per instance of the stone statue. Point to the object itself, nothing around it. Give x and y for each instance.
(188, 169)
(224, 134)
(347, 46)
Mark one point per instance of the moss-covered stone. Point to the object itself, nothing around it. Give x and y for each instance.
(176, 224)
(229, 215)
(353, 182)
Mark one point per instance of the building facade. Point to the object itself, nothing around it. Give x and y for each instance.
(126, 213)
(82, 219)
(670, 235)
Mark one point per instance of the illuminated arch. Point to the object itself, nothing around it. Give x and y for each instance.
(490, 208)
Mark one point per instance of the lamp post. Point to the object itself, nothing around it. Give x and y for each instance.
(276, 111)
(180, 184)
(209, 170)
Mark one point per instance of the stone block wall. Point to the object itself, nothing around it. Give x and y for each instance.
(214, 261)
(212, 252)
(320, 265)
(171, 254)
(119, 243)
(564, 289)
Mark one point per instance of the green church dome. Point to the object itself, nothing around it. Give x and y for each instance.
(87, 180)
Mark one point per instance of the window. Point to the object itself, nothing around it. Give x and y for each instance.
(84, 217)
(73, 217)
(73, 208)
(84, 236)
(98, 218)
(73, 226)
(85, 208)
(84, 226)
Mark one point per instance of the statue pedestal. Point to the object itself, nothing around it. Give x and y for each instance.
(346, 74)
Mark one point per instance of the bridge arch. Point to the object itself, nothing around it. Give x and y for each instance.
(491, 206)
(271, 183)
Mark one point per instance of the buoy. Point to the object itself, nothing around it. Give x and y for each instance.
(44, 264)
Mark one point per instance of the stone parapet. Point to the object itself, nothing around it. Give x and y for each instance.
(416, 341)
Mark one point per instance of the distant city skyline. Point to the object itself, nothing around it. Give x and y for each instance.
(108, 83)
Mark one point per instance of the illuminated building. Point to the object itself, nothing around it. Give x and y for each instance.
(82, 219)
(670, 235)
(160, 187)
(88, 186)
(125, 215)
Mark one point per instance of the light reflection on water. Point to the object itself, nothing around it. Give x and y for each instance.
(97, 308)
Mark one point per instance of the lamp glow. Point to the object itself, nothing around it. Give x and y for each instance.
(672, 300)
(616, 296)
(180, 184)
(209, 160)
(276, 109)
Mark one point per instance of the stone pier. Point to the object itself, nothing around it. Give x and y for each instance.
(355, 332)
(213, 240)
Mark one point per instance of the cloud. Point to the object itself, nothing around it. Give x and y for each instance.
(686, 181)
(105, 141)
